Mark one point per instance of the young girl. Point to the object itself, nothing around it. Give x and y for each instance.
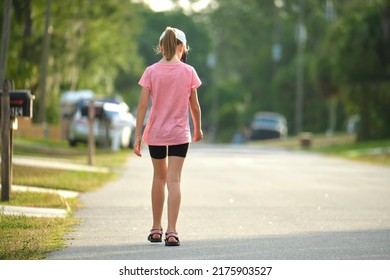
(172, 85)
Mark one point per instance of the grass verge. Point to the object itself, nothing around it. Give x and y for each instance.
(340, 145)
(377, 152)
(80, 181)
(61, 150)
(35, 199)
(28, 238)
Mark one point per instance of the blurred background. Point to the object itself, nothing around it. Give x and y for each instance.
(322, 66)
(310, 73)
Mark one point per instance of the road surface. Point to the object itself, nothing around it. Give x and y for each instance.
(243, 202)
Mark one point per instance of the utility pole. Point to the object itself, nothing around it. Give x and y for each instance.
(330, 16)
(215, 100)
(301, 37)
(44, 62)
(212, 63)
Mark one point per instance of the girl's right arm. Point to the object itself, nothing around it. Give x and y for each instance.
(141, 112)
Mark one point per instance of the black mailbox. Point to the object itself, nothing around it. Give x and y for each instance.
(21, 103)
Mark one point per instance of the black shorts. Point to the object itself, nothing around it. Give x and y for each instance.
(160, 152)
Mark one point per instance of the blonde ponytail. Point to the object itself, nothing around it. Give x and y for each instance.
(169, 43)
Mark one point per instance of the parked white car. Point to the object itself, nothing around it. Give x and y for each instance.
(113, 125)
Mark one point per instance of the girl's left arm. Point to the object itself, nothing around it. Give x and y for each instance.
(196, 116)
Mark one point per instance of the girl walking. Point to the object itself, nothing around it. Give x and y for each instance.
(172, 86)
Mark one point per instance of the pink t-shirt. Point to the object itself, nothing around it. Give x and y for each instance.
(170, 88)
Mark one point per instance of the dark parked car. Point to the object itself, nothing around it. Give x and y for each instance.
(268, 125)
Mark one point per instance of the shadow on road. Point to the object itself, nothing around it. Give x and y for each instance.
(357, 245)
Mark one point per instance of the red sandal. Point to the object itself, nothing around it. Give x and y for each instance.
(174, 235)
(152, 233)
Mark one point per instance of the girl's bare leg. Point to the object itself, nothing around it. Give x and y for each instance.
(175, 165)
(158, 191)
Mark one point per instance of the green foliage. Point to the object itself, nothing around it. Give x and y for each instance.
(234, 105)
(346, 60)
(197, 38)
(106, 47)
(90, 45)
(362, 66)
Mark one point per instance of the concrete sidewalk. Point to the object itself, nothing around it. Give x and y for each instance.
(34, 211)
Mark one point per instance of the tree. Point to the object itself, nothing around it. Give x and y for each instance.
(361, 66)
(90, 45)
(247, 32)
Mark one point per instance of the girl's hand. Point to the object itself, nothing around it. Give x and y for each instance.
(137, 147)
(198, 135)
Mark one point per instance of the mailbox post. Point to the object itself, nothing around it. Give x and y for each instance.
(14, 103)
(91, 136)
(5, 142)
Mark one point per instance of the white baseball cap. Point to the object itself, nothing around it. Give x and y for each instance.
(179, 35)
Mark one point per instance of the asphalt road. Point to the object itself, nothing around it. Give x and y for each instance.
(241, 202)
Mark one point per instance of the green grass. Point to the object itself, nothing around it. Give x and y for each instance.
(341, 145)
(61, 150)
(26, 238)
(35, 199)
(377, 152)
(355, 146)
(318, 140)
(42, 148)
(80, 181)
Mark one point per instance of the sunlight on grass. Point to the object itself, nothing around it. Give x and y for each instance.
(80, 181)
(341, 145)
(35, 199)
(377, 152)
